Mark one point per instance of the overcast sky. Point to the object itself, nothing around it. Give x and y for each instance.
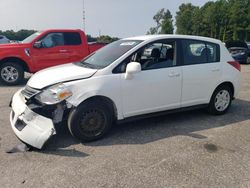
(120, 18)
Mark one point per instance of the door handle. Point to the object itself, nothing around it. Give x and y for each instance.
(63, 51)
(174, 74)
(215, 69)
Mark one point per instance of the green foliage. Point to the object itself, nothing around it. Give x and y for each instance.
(22, 34)
(106, 39)
(184, 17)
(164, 23)
(91, 39)
(222, 19)
(19, 35)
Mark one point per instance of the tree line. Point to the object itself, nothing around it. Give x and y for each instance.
(17, 36)
(222, 19)
(22, 34)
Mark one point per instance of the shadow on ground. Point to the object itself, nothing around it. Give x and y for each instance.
(157, 128)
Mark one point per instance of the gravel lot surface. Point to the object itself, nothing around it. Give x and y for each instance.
(188, 149)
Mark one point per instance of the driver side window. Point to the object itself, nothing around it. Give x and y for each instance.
(152, 56)
(53, 39)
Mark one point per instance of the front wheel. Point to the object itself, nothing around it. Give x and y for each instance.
(220, 101)
(11, 73)
(90, 121)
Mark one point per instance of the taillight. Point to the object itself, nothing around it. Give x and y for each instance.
(235, 64)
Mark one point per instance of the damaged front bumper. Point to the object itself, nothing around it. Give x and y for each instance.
(29, 126)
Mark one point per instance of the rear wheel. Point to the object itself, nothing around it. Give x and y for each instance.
(90, 121)
(11, 73)
(221, 100)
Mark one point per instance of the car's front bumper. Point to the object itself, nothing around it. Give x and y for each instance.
(29, 126)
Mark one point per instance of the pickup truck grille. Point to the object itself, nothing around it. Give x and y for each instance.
(29, 92)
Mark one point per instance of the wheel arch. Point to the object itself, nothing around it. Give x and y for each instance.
(110, 103)
(226, 83)
(17, 60)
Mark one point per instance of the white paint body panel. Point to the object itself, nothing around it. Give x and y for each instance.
(199, 81)
(59, 74)
(151, 91)
(38, 129)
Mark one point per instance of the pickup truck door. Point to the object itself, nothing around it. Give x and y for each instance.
(52, 52)
(77, 47)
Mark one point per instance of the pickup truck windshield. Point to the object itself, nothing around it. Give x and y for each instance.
(31, 37)
(108, 54)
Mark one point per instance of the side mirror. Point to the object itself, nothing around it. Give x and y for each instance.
(38, 44)
(132, 68)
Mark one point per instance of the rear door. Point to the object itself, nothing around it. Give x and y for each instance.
(201, 71)
(74, 46)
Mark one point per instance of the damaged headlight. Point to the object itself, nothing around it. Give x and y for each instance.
(54, 94)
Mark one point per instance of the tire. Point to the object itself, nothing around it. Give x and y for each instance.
(248, 60)
(11, 73)
(90, 121)
(220, 100)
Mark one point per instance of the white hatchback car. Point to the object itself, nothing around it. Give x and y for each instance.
(133, 77)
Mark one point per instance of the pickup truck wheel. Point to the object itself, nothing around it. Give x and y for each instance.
(90, 121)
(220, 101)
(11, 73)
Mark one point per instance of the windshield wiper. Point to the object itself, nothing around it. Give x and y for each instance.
(88, 65)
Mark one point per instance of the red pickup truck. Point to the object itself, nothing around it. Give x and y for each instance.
(41, 50)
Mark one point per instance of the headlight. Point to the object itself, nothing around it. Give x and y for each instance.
(54, 94)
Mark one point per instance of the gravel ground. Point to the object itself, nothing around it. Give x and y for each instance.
(188, 149)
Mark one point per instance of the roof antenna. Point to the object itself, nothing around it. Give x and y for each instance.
(84, 18)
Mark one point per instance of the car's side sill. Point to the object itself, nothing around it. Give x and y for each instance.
(144, 116)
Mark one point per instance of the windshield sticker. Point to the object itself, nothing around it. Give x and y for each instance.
(127, 43)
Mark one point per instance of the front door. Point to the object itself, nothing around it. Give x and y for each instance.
(53, 51)
(158, 86)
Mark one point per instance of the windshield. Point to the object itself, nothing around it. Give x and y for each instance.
(108, 54)
(31, 37)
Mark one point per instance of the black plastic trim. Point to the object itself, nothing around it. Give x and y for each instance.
(155, 114)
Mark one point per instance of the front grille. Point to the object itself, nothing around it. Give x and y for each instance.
(29, 92)
(20, 124)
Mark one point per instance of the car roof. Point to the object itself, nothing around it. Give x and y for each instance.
(158, 37)
(60, 30)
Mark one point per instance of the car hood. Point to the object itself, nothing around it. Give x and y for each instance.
(13, 45)
(58, 74)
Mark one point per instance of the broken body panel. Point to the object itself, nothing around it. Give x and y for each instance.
(29, 126)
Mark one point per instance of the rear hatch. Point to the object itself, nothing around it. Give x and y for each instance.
(236, 47)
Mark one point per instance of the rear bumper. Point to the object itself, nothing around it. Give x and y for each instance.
(29, 126)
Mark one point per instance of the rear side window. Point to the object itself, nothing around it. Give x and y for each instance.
(199, 52)
(72, 38)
